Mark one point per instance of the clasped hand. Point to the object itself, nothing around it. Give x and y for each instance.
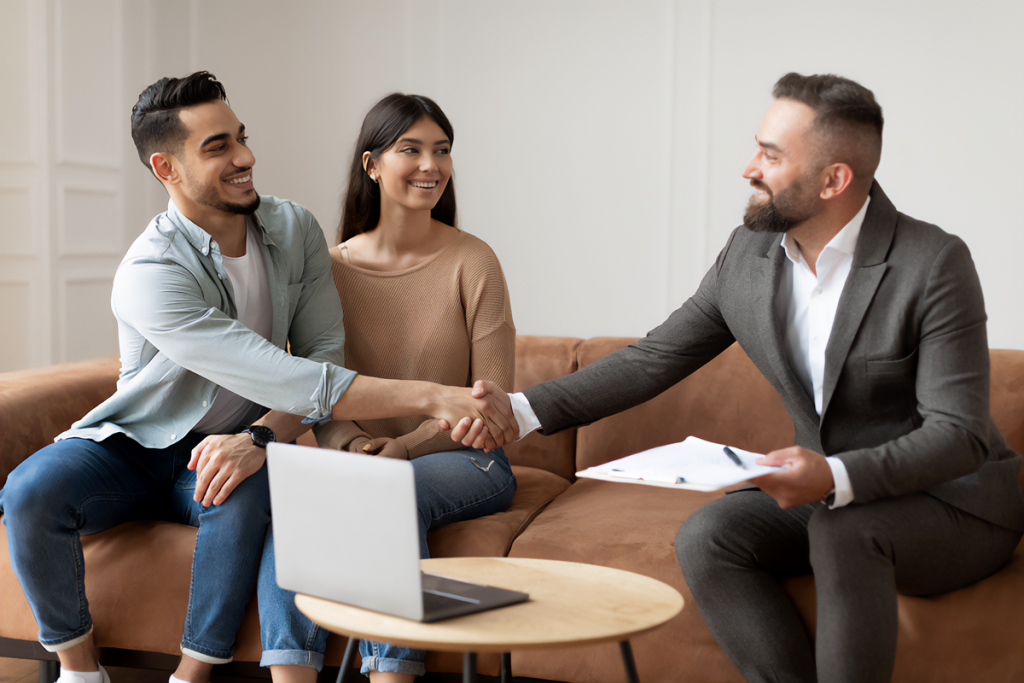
(222, 462)
(491, 423)
(805, 476)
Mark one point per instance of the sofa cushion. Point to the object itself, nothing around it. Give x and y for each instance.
(1007, 397)
(631, 527)
(727, 401)
(137, 575)
(956, 637)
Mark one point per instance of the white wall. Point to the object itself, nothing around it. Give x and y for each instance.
(598, 144)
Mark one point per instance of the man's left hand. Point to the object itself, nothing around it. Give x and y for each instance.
(222, 462)
(805, 477)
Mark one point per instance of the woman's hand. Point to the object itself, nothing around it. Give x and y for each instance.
(356, 445)
(385, 447)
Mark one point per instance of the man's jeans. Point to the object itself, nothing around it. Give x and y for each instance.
(450, 487)
(76, 487)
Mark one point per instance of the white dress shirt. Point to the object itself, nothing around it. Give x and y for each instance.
(806, 306)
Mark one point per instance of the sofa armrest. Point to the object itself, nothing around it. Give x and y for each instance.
(38, 404)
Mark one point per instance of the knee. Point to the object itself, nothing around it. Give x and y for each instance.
(33, 492)
(697, 536)
(251, 497)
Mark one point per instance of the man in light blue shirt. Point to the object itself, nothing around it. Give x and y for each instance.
(207, 301)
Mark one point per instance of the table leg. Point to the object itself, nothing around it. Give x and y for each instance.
(346, 661)
(506, 667)
(469, 667)
(627, 659)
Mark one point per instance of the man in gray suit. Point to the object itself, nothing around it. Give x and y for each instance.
(871, 326)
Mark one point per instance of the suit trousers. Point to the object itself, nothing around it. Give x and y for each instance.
(734, 551)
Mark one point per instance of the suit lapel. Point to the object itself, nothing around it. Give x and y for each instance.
(765, 279)
(865, 275)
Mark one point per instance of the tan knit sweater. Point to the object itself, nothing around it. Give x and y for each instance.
(446, 320)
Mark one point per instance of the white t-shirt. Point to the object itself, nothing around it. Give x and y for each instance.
(248, 277)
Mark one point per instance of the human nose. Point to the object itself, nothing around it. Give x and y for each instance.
(427, 162)
(244, 158)
(753, 168)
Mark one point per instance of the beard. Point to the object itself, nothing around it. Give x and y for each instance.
(782, 212)
(207, 195)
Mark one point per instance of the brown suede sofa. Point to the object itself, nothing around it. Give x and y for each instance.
(137, 573)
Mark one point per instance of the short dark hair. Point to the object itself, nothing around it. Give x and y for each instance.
(847, 118)
(383, 125)
(156, 125)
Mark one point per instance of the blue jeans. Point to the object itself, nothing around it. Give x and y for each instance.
(450, 487)
(76, 486)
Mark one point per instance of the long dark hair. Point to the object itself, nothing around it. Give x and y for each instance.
(383, 125)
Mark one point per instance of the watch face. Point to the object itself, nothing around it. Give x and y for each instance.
(261, 435)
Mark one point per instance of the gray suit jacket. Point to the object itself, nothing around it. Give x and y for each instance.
(906, 391)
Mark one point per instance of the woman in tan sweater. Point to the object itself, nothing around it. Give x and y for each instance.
(422, 300)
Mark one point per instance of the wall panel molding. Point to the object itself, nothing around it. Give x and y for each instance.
(87, 65)
(86, 328)
(89, 220)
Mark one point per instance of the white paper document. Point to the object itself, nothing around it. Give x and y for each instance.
(690, 464)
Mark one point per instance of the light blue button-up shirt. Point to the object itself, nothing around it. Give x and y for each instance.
(180, 341)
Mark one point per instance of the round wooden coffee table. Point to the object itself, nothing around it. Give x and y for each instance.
(570, 604)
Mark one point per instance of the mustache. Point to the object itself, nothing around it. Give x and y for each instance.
(757, 184)
(236, 171)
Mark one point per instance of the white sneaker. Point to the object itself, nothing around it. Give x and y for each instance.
(83, 676)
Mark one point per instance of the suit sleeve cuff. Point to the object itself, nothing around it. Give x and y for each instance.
(844, 489)
(524, 414)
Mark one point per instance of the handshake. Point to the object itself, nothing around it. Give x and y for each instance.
(486, 421)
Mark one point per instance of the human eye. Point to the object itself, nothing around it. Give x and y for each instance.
(243, 140)
(444, 150)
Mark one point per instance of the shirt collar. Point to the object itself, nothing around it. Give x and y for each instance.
(845, 240)
(199, 238)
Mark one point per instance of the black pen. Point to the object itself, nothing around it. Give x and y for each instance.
(732, 456)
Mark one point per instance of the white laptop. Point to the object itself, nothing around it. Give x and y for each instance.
(346, 529)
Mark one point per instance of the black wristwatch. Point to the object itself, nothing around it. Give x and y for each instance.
(260, 435)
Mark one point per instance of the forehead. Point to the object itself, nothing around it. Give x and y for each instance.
(786, 125)
(425, 130)
(206, 119)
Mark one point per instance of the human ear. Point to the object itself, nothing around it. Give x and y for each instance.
(369, 167)
(163, 167)
(838, 177)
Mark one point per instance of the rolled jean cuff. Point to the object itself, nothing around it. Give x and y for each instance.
(69, 643)
(205, 657)
(389, 665)
(313, 660)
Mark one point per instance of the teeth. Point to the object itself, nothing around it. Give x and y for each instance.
(243, 179)
(417, 183)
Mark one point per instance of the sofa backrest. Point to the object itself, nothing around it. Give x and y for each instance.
(539, 359)
(38, 404)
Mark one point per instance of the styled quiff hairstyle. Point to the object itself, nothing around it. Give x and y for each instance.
(383, 125)
(848, 121)
(156, 126)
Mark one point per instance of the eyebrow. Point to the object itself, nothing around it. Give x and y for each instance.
(768, 145)
(220, 136)
(444, 141)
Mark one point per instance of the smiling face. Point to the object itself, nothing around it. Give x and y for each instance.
(414, 171)
(784, 170)
(216, 162)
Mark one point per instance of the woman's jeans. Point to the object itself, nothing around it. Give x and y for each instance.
(450, 487)
(76, 486)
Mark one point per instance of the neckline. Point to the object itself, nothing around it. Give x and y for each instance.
(404, 271)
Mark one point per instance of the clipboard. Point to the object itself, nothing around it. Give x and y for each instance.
(692, 464)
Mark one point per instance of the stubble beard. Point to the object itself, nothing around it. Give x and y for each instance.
(208, 196)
